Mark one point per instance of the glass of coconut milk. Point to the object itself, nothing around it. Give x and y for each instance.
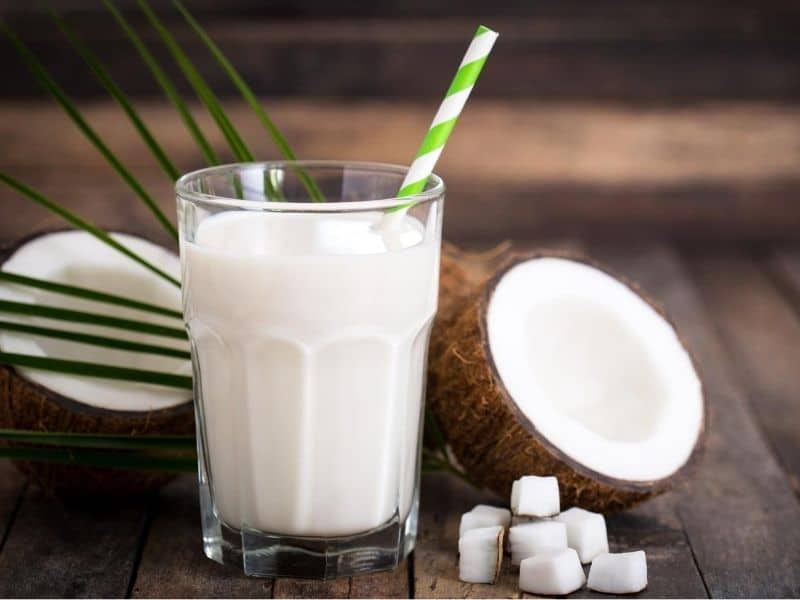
(308, 294)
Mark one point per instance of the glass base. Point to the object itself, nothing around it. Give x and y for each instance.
(262, 554)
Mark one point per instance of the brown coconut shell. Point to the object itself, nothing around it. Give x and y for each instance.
(489, 435)
(27, 405)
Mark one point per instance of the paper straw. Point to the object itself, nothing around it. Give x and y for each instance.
(447, 115)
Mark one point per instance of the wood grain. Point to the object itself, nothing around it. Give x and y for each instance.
(544, 169)
(443, 499)
(306, 588)
(77, 551)
(783, 265)
(659, 52)
(12, 486)
(386, 584)
(739, 513)
(762, 333)
(172, 563)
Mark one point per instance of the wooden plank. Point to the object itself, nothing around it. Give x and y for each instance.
(12, 486)
(387, 584)
(742, 19)
(762, 332)
(78, 550)
(443, 499)
(307, 588)
(172, 563)
(546, 170)
(610, 54)
(740, 515)
(653, 527)
(784, 266)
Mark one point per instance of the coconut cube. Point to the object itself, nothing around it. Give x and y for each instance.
(622, 573)
(534, 496)
(586, 532)
(480, 554)
(484, 515)
(552, 574)
(538, 537)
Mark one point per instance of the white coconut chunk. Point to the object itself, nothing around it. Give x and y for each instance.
(484, 515)
(514, 500)
(623, 573)
(534, 538)
(480, 554)
(553, 574)
(536, 497)
(586, 532)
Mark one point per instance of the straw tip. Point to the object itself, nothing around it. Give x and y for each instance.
(483, 29)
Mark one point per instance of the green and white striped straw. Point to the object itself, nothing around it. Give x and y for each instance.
(451, 107)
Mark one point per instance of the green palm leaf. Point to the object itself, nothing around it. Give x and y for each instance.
(101, 440)
(75, 220)
(79, 316)
(93, 340)
(128, 461)
(166, 85)
(207, 97)
(116, 92)
(88, 369)
(314, 192)
(88, 294)
(46, 80)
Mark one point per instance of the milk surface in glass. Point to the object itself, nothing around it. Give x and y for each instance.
(309, 335)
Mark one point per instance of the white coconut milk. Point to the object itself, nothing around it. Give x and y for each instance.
(310, 333)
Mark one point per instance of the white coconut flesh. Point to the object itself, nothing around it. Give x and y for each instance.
(600, 374)
(76, 258)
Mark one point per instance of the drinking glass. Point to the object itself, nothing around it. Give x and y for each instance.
(309, 290)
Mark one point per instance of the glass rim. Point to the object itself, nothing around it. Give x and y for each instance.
(183, 191)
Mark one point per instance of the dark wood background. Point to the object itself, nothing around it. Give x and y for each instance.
(665, 118)
(663, 137)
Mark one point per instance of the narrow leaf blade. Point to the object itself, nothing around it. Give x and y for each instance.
(86, 293)
(77, 221)
(87, 369)
(99, 440)
(91, 318)
(105, 79)
(201, 88)
(166, 84)
(94, 340)
(247, 93)
(45, 79)
(103, 459)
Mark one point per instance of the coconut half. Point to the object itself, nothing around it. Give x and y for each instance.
(47, 401)
(560, 368)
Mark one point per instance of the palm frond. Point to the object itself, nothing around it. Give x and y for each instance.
(166, 84)
(247, 93)
(116, 92)
(47, 81)
(201, 88)
(100, 440)
(91, 318)
(127, 461)
(93, 340)
(89, 369)
(77, 221)
(88, 294)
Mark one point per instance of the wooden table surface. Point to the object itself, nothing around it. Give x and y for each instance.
(731, 531)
